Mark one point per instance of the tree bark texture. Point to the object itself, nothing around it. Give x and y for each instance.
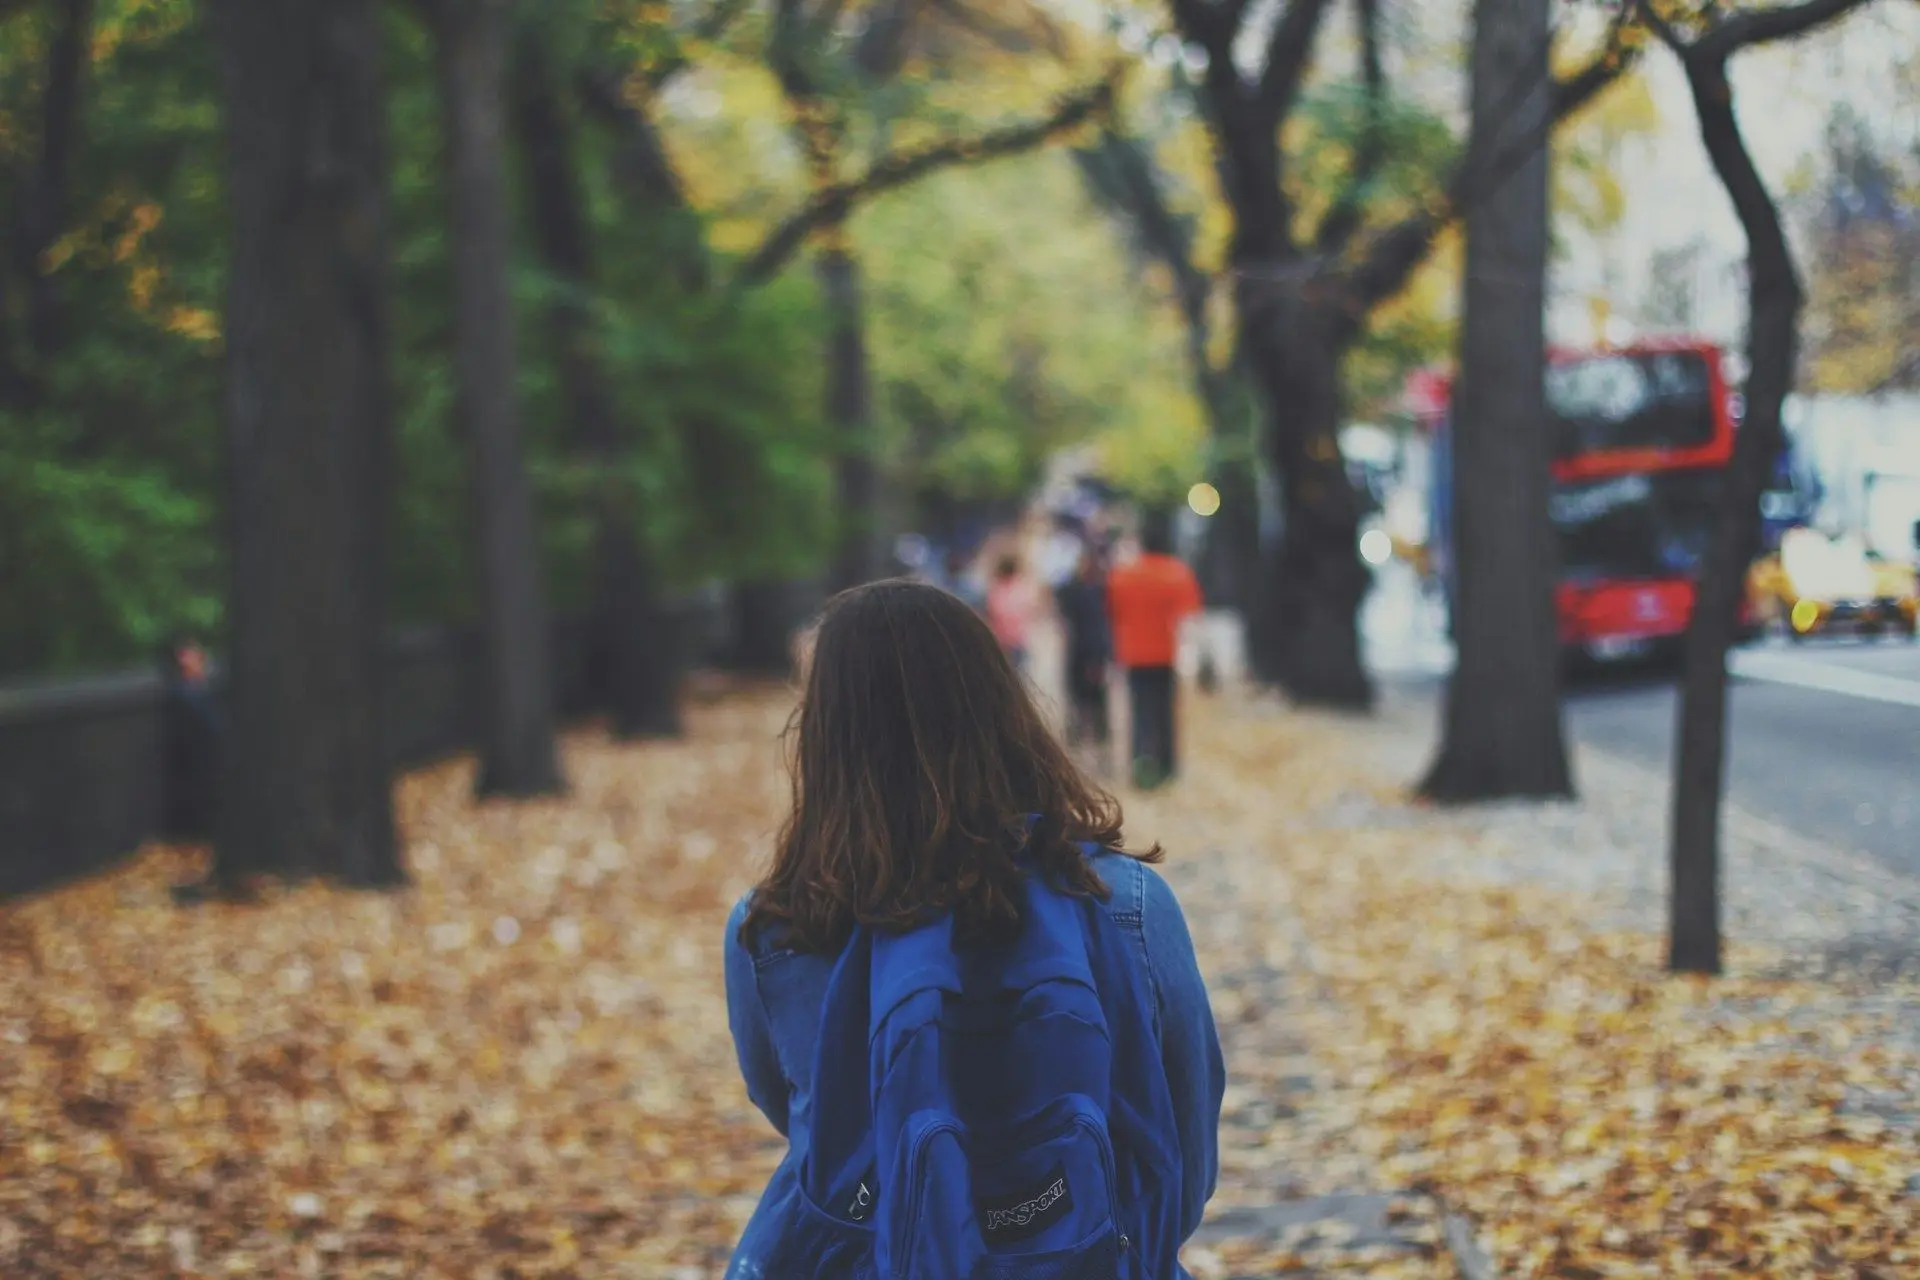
(763, 627)
(850, 415)
(1773, 302)
(1292, 337)
(45, 195)
(1501, 728)
(518, 755)
(1293, 340)
(308, 436)
(1314, 580)
(1302, 301)
(631, 663)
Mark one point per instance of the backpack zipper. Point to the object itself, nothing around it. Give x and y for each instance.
(918, 1181)
(1103, 1142)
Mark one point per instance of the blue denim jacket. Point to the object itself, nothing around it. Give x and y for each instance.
(774, 998)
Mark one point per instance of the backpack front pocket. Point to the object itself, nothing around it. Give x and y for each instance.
(1043, 1194)
(818, 1245)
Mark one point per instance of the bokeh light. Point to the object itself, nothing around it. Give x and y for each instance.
(1375, 547)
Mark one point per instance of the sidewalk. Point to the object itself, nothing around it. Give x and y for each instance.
(1449, 1044)
(1439, 1021)
(1467, 1014)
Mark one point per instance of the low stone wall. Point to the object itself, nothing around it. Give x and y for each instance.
(83, 777)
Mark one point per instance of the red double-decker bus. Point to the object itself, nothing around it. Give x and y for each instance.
(1641, 439)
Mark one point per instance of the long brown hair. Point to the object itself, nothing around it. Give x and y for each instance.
(918, 756)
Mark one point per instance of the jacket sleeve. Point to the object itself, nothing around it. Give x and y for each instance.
(752, 1038)
(1189, 1047)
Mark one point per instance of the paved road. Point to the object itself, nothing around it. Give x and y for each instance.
(1825, 734)
(1825, 738)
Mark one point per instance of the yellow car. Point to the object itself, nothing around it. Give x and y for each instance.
(1816, 583)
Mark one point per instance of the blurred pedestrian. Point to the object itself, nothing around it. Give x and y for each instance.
(1148, 600)
(1082, 602)
(961, 582)
(1012, 603)
(1060, 554)
(190, 737)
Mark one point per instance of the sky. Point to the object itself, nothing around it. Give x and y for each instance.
(1783, 97)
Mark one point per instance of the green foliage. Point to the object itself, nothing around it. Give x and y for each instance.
(1863, 268)
(1004, 319)
(1005, 324)
(109, 468)
(110, 479)
(731, 471)
(1417, 151)
(101, 561)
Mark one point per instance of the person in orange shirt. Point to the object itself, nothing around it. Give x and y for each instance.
(1148, 600)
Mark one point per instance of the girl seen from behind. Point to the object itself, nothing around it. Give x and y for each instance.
(976, 1018)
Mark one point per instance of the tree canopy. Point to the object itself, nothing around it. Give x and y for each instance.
(1025, 329)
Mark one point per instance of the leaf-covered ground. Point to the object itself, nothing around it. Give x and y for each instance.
(521, 1065)
(1487, 1045)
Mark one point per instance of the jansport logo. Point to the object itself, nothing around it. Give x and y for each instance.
(1028, 1210)
(1647, 607)
(1023, 1214)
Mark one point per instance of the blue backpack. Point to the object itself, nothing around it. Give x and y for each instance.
(988, 1113)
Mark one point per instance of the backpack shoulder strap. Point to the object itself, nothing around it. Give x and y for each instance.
(840, 1137)
(1052, 946)
(911, 966)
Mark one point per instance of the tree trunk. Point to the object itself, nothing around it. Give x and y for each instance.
(518, 757)
(762, 628)
(644, 172)
(850, 414)
(627, 633)
(1291, 337)
(45, 194)
(634, 637)
(1501, 730)
(1773, 310)
(1315, 579)
(309, 418)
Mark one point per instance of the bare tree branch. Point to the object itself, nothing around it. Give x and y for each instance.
(1396, 251)
(1343, 218)
(1213, 28)
(1120, 169)
(816, 118)
(1705, 59)
(1121, 172)
(1288, 52)
(1212, 24)
(1669, 35)
(1749, 27)
(832, 202)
